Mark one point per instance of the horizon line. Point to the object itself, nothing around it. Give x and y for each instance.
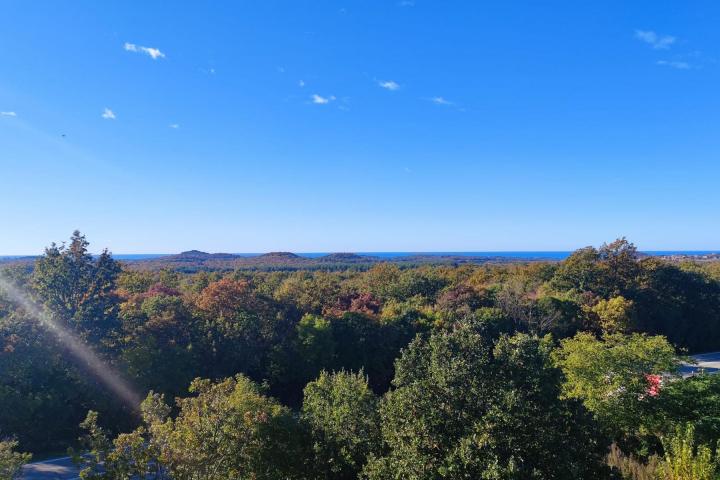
(395, 252)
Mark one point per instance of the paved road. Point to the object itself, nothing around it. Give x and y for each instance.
(706, 362)
(54, 469)
(63, 468)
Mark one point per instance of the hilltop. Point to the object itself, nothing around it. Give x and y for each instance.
(195, 260)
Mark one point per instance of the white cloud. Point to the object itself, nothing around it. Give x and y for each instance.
(440, 101)
(8, 114)
(389, 85)
(154, 53)
(301, 83)
(319, 100)
(674, 64)
(108, 114)
(174, 126)
(658, 42)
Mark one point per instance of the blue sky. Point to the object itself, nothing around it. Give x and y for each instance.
(359, 125)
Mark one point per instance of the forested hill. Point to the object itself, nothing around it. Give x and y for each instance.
(546, 370)
(194, 261)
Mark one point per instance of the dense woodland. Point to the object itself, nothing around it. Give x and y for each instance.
(539, 370)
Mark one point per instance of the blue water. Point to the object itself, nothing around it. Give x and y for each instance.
(549, 255)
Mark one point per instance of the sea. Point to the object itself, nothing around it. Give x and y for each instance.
(546, 255)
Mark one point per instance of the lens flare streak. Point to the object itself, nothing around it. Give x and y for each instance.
(82, 352)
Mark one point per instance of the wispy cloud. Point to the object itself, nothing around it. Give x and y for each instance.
(658, 42)
(154, 53)
(174, 126)
(441, 101)
(301, 83)
(8, 114)
(108, 114)
(407, 3)
(320, 100)
(389, 85)
(674, 64)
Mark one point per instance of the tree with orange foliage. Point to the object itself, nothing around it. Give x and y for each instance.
(224, 297)
(242, 329)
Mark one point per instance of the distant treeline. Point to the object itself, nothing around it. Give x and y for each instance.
(441, 371)
(196, 261)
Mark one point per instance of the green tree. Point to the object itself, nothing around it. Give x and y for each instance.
(684, 460)
(96, 445)
(613, 376)
(382, 280)
(160, 342)
(580, 271)
(691, 401)
(614, 315)
(619, 261)
(466, 407)
(683, 305)
(341, 412)
(44, 393)
(230, 430)
(11, 461)
(131, 455)
(308, 292)
(79, 290)
(314, 347)
(367, 343)
(609, 271)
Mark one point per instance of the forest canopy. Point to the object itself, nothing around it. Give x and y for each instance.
(562, 369)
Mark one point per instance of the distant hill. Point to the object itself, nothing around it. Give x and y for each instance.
(279, 255)
(26, 261)
(194, 253)
(195, 260)
(346, 258)
(198, 255)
